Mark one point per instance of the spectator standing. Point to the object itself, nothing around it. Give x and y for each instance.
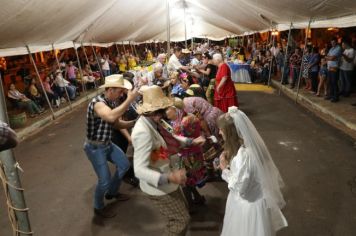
(346, 67)
(333, 59)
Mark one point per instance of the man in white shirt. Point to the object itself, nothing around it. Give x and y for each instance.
(346, 67)
(105, 65)
(173, 63)
(64, 84)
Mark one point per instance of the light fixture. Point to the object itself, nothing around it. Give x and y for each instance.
(275, 33)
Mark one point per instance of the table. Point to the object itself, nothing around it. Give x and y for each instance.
(240, 73)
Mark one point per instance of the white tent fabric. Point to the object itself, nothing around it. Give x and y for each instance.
(40, 24)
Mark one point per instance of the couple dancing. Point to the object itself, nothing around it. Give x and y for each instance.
(254, 203)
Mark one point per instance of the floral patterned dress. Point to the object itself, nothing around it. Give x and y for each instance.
(188, 125)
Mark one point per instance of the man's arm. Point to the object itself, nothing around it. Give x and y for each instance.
(111, 115)
(123, 124)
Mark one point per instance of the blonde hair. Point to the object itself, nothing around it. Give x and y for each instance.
(173, 74)
(232, 140)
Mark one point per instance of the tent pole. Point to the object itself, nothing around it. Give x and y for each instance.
(134, 46)
(86, 58)
(14, 191)
(168, 22)
(80, 71)
(59, 68)
(124, 47)
(185, 29)
(117, 50)
(97, 61)
(131, 48)
(270, 64)
(285, 64)
(39, 78)
(301, 66)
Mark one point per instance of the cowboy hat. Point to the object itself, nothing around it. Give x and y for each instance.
(58, 71)
(153, 100)
(116, 81)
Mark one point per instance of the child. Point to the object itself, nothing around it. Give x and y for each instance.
(322, 78)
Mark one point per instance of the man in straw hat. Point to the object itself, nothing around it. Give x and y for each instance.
(152, 167)
(103, 114)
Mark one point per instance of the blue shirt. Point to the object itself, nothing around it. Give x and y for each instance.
(314, 59)
(334, 52)
(177, 90)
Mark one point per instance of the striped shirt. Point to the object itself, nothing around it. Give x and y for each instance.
(97, 128)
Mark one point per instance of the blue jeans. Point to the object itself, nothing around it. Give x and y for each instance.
(99, 155)
(71, 91)
(106, 73)
(333, 77)
(346, 79)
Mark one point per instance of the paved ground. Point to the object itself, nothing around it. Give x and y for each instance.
(317, 162)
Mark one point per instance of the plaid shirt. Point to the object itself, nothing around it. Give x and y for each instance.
(97, 128)
(4, 132)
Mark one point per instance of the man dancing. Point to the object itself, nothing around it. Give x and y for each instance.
(103, 114)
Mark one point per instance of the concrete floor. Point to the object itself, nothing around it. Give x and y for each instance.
(317, 162)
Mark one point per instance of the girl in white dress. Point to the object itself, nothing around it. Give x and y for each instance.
(253, 207)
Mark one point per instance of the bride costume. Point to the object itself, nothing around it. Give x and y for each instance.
(254, 203)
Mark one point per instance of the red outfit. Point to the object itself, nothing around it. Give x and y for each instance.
(226, 97)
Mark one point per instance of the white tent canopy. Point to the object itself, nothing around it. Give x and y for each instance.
(40, 23)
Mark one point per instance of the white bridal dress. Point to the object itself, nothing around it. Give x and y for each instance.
(254, 203)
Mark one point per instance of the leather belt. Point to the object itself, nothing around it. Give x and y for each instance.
(96, 142)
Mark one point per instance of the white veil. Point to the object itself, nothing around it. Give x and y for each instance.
(271, 180)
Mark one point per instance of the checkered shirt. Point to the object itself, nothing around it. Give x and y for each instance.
(97, 128)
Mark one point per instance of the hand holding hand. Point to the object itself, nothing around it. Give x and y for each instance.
(199, 141)
(178, 177)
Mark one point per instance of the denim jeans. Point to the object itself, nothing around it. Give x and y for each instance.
(286, 71)
(99, 155)
(71, 91)
(333, 77)
(345, 79)
(106, 73)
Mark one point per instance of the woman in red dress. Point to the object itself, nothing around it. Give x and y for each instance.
(225, 93)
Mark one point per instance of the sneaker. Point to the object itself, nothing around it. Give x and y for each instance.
(117, 197)
(104, 213)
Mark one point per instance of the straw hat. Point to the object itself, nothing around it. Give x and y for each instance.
(153, 100)
(116, 81)
(198, 53)
(58, 71)
(186, 51)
